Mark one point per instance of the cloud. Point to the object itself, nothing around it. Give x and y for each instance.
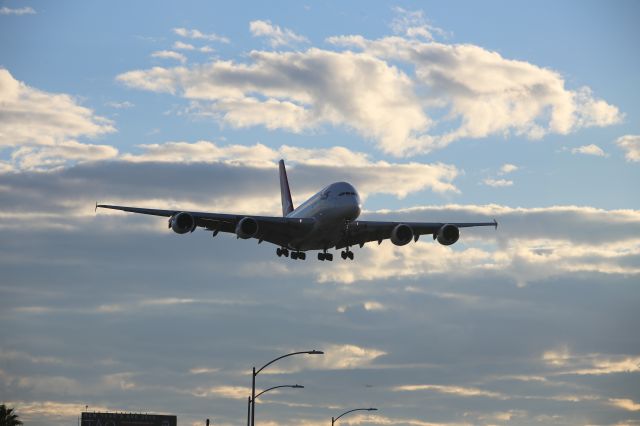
(20, 11)
(489, 94)
(496, 183)
(61, 154)
(120, 105)
(507, 168)
(299, 91)
(630, 144)
(32, 116)
(40, 128)
(591, 149)
(275, 35)
(626, 404)
(377, 89)
(453, 390)
(413, 24)
(169, 54)
(590, 364)
(198, 35)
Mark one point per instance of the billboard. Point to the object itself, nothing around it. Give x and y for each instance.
(126, 419)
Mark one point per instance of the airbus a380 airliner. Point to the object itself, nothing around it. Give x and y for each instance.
(325, 221)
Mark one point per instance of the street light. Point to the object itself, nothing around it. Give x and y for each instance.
(351, 411)
(255, 373)
(265, 391)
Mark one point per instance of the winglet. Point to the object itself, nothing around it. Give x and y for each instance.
(495, 223)
(285, 192)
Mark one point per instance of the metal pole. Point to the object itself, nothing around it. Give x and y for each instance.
(249, 412)
(253, 397)
(332, 421)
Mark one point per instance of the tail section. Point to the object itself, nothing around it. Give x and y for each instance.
(285, 192)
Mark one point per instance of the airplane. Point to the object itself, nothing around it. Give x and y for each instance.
(325, 221)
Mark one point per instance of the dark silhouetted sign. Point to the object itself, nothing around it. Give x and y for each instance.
(127, 419)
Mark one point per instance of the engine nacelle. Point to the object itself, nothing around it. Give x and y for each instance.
(401, 234)
(448, 234)
(247, 228)
(182, 223)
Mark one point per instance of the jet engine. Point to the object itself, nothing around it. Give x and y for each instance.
(247, 228)
(448, 234)
(401, 234)
(182, 223)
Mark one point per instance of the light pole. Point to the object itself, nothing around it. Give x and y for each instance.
(265, 391)
(255, 373)
(351, 411)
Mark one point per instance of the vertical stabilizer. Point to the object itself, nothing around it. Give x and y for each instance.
(285, 192)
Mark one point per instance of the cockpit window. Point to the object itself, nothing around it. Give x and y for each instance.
(346, 193)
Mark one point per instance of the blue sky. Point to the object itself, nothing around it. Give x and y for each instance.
(435, 111)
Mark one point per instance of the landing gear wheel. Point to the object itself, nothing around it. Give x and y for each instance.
(285, 252)
(321, 256)
(302, 255)
(328, 256)
(350, 255)
(294, 255)
(343, 254)
(279, 252)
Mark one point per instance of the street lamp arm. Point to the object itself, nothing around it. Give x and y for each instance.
(287, 355)
(356, 409)
(281, 386)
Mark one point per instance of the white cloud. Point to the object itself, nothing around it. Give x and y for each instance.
(496, 183)
(413, 24)
(365, 91)
(274, 34)
(626, 404)
(179, 45)
(120, 105)
(344, 357)
(590, 364)
(230, 392)
(198, 35)
(507, 168)
(20, 11)
(32, 116)
(488, 93)
(301, 91)
(631, 146)
(453, 390)
(591, 149)
(61, 154)
(169, 54)
(399, 179)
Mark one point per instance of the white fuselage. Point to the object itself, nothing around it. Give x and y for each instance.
(330, 208)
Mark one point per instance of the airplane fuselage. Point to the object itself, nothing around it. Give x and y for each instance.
(331, 209)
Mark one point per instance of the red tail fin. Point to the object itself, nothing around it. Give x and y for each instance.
(285, 192)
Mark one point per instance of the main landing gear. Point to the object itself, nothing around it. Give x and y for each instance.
(325, 256)
(322, 256)
(282, 252)
(347, 254)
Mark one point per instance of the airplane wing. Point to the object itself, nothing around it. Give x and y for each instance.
(276, 230)
(360, 232)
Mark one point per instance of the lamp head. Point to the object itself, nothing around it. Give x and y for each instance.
(315, 352)
(297, 386)
(372, 409)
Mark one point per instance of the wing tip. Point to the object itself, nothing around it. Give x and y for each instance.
(495, 223)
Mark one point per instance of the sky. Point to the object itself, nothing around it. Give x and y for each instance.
(526, 112)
